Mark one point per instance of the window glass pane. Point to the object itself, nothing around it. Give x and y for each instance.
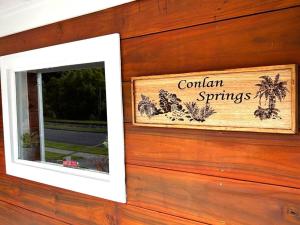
(28, 121)
(62, 116)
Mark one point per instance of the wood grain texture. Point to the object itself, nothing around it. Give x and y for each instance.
(210, 199)
(266, 158)
(127, 107)
(138, 18)
(203, 38)
(57, 203)
(13, 215)
(2, 156)
(196, 197)
(76, 208)
(260, 40)
(131, 215)
(219, 100)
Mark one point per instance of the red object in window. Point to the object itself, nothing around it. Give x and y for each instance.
(70, 163)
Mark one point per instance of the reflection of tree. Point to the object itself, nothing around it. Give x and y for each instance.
(75, 94)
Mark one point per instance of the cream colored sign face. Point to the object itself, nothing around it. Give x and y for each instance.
(261, 99)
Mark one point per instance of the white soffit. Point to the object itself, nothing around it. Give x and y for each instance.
(21, 15)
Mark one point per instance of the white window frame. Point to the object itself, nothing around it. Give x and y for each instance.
(100, 49)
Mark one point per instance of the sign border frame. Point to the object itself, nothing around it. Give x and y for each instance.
(294, 100)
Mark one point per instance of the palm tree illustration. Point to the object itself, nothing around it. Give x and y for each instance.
(270, 90)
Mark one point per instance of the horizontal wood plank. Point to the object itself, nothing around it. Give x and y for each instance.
(77, 208)
(57, 203)
(210, 199)
(260, 40)
(262, 158)
(13, 215)
(183, 196)
(132, 20)
(137, 216)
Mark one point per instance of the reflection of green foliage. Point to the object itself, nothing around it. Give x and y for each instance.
(30, 139)
(75, 94)
(105, 143)
(26, 140)
(76, 148)
(54, 156)
(82, 122)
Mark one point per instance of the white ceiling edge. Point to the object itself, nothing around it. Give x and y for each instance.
(28, 14)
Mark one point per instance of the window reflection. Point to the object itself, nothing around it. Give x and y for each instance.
(62, 116)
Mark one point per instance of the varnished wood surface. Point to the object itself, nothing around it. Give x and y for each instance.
(262, 158)
(68, 206)
(166, 168)
(139, 18)
(211, 199)
(188, 196)
(138, 216)
(13, 215)
(77, 208)
(261, 40)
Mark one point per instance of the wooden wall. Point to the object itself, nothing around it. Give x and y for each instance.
(179, 176)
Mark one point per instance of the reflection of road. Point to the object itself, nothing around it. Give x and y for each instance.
(86, 160)
(75, 137)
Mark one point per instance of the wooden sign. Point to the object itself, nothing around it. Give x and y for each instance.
(260, 99)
